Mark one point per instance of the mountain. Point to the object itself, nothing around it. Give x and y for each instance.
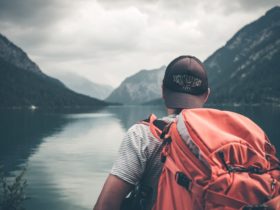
(82, 85)
(23, 84)
(139, 88)
(246, 69)
(16, 56)
(155, 102)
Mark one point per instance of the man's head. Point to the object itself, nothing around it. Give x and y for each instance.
(185, 83)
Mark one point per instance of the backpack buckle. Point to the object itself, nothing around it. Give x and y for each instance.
(255, 207)
(182, 180)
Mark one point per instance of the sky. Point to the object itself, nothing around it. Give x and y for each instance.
(109, 40)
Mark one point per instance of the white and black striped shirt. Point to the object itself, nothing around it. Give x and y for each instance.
(139, 157)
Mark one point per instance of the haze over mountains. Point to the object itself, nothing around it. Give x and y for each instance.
(245, 70)
(82, 85)
(23, 84)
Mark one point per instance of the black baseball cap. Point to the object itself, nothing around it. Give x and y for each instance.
(185, 80)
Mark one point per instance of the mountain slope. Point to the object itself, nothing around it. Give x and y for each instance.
(246, 69)
(139, 88)
(23, 84)
(13, 54)
(82, 85)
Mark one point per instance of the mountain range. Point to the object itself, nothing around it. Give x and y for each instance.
(83, 85)
(244, 71)
(23, 84)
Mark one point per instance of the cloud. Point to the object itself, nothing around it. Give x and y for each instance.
(29, 12)
(91, 32)
(248, 5)
(108, 40)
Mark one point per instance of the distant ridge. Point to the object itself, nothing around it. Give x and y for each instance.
(24, 85)
(139, 88)
(84, 86)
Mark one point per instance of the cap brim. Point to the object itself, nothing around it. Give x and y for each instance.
(181, 100)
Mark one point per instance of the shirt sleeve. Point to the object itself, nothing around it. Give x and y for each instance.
(132, 158)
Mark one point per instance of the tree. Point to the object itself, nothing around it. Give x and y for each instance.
(12, 193)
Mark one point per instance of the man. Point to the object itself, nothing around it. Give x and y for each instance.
(185, 85)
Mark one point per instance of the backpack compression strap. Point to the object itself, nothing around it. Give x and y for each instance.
(184, 181)
(160, 128)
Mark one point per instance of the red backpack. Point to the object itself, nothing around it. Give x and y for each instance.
(216, 160)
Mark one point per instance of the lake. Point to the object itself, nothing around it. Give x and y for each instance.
(68, 156)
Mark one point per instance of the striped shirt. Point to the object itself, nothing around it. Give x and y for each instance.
(139, 157)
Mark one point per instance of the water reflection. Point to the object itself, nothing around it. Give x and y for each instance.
(22, 132)
(73, 164)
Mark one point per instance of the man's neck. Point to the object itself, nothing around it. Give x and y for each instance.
(171, 111)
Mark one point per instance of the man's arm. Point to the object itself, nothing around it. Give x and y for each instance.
(127, 170)
(113, 193)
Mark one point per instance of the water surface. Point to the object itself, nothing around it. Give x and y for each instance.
(68, 156)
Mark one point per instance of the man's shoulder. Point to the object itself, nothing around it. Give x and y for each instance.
(142, 129)
(143, 125)
(139, 131)
(139, 126)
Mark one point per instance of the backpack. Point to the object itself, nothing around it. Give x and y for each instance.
(216, 160)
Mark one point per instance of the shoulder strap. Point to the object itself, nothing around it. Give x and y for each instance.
(156, 126)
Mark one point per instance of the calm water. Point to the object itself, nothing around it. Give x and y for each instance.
(68, 156)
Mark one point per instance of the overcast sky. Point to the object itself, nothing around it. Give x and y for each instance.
(108, 40)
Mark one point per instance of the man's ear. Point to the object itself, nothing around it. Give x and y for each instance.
(207, 95)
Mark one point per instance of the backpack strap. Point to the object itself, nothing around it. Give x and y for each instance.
(156, 126)
(179, 176)
(185, 182)
(221, 199)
